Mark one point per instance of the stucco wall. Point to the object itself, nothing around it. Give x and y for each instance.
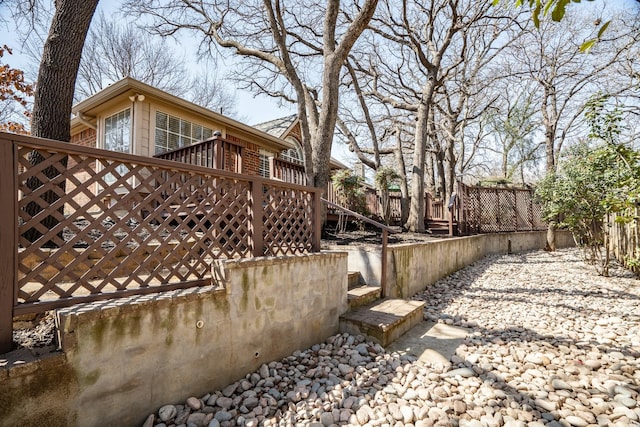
(413, 267)
(124, 358)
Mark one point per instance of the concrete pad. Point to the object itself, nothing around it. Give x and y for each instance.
(430, 342)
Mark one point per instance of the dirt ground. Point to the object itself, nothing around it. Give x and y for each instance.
(373, 238)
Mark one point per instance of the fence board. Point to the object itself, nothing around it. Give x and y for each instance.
(8, 226)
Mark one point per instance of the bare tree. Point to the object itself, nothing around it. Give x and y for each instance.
(550, 56)
(514, 123)
(114, 51)
(420, 48)
(210, 91)
(287, 54)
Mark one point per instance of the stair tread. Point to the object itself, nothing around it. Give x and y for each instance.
(384, 314)
(362, 291)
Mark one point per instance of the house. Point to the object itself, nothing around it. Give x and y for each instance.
(134, 117)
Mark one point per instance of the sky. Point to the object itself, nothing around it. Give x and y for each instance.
(251, 109)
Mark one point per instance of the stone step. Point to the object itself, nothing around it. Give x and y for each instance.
(383, 321)
(362, 295)
(354, 279)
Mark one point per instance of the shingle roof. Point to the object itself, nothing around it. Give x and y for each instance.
(277, 127)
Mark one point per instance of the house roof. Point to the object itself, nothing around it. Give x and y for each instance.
(278, 127)
(93, 104)
(281, 127)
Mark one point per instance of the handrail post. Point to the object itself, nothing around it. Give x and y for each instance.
(8, 242)
(257, 221)
(383, 279)
(317, 220)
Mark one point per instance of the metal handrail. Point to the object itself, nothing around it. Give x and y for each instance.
(385, 238)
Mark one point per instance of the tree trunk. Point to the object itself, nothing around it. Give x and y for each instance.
(53, 98)
(415, 222)
(550, 165)
(551, 237)
(404, 188)
(442, 184)
(59, 67)
(430, 175)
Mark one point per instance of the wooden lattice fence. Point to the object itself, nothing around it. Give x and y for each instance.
(625, 238)
(495, 209)
(85, 224)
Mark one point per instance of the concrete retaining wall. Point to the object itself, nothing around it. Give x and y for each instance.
(124, 358)
(413, 267)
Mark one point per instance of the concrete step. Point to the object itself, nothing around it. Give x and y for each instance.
(383, 321)
(354, 279)
(362, 295)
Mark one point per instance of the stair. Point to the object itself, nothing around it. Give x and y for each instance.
(381, 320)
(354, 279)
(384, 321)
(362, 295)
(441, 226)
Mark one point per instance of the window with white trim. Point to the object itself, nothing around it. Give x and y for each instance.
(117, 132)
(264, 169)
(173, 132)
(294, 154)
(117, 137)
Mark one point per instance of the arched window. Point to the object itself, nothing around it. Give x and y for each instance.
(293, 154)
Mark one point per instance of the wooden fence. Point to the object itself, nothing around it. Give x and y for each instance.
(624, 240)
(495, 210)
(82, 224)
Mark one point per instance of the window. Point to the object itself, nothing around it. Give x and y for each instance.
(117, 132)
(173, 132)
(117, 137)
(264, 169)
(292, 154)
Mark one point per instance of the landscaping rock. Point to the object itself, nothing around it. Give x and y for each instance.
(550, 343)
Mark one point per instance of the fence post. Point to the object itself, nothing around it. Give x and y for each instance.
(515, 210)
(530, 210)
(317, 220)
(257, 219)
(8, 235)
(383, 273)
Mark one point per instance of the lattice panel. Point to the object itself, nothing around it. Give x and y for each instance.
(506, 211)
(523, 209)
(288, 219)
(488, 214)
(90, 225)
(472, 206)
(538, 222)
(492, 210)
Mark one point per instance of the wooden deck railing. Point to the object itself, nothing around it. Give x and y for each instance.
(215, 153)
(287, 171)
(84, 224)
(476, 209)
(385, 239)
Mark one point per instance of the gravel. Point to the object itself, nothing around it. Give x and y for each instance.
(550, 343)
